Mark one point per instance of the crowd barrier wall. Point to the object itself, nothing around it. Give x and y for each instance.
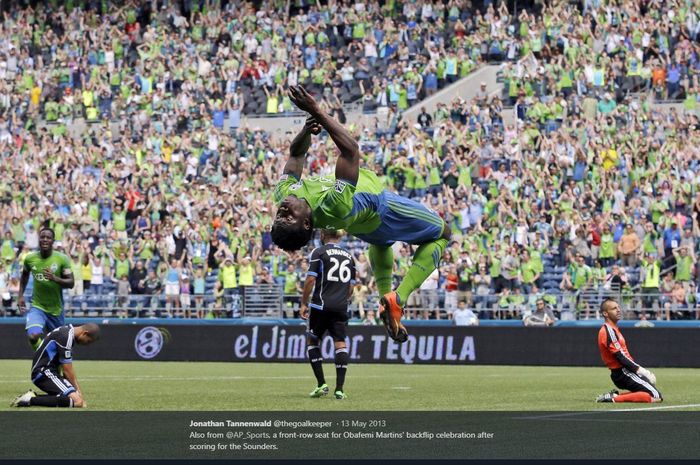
(568, 346)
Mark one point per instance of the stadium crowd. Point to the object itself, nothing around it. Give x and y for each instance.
(107, 61)
(591, 190)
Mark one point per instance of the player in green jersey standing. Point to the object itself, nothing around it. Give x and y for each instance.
(52, 273)
(354, 200)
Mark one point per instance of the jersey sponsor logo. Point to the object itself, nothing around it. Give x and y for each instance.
(149, 341)
(321, 179)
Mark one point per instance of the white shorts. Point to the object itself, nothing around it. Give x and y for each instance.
(172, 289)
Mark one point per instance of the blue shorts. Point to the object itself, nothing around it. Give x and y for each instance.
(38, 321)
(404, 220)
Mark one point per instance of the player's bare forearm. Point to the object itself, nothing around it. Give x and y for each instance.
(308, 288)
(66, 283)
(301, 143)
(348, 165)
(69, 373)
(300, 146)
(342, 138)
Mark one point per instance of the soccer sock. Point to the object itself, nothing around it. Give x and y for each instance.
(51, 401)
(382, 261)
(639, 396)
(425, 261)
(316, 363)
(341, 366)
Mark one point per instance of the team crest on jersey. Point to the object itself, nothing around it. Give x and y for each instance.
(339, 187)
(295, 186)
(53, 267)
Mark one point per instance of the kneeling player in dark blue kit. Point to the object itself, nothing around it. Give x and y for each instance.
(52, 368)
(331, 277)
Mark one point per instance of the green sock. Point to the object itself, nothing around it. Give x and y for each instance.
(35, 345)
(382, 261)
(425, 261)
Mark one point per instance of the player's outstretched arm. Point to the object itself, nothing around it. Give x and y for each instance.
(348, 165)
(300, 145)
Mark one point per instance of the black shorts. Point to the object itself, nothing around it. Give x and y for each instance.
(321, 321)
(625, 379)
(53, 384)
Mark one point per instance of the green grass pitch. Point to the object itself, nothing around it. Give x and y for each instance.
(142, 386)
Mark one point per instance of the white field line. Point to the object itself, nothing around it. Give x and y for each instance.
(598, 412)
(188, 378)
(664, 407)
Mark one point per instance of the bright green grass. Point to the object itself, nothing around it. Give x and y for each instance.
(277, 386)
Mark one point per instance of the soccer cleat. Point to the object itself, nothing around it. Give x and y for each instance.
(608, 396)
(340, 395)
(319, 391)
(391, 312)
(23, 400)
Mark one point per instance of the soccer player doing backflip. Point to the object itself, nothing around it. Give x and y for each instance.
(355, 201)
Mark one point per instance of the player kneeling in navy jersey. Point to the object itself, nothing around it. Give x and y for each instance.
(331, 277)
(52, 368)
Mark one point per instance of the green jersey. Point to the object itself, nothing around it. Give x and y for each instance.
(47, 295)
(684, 267)
(336, 204)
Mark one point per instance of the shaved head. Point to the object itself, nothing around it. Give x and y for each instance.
(611, 310)
(87, 333)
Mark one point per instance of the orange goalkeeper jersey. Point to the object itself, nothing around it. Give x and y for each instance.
(613, 348)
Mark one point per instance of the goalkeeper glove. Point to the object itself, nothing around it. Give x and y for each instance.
(647, 374)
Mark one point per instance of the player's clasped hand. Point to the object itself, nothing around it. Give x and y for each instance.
(302, 99)
(313, 126)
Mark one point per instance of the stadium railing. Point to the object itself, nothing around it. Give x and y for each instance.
(268, 301)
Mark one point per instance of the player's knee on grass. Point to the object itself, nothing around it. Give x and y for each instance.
(77, 399)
